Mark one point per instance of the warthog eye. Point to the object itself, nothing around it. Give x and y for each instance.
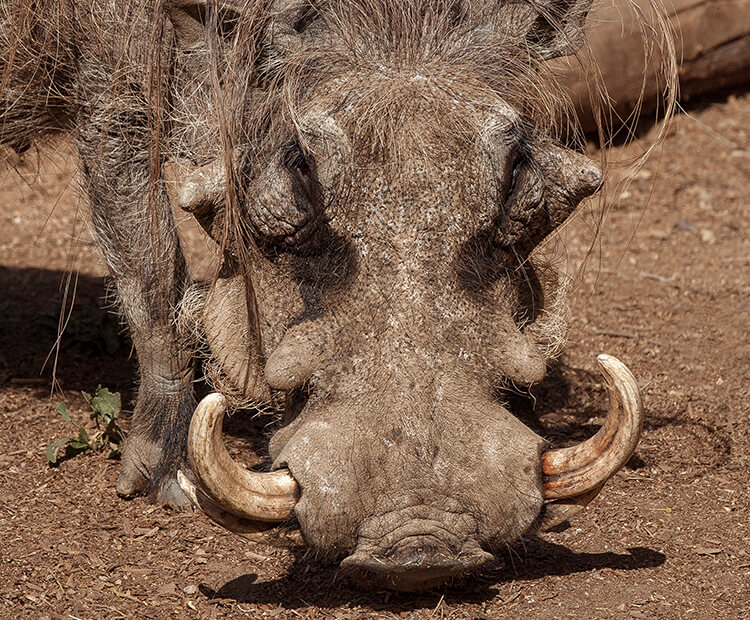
(285, 200)
(513, 169)
(521, 195)
(294, 158)
(545, 182)
(302, 169)
(303, 19)
(509, 145)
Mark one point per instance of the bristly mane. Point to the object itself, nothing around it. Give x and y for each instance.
(255, 86)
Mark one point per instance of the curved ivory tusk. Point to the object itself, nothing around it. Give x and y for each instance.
(251, 495)
(580, 469)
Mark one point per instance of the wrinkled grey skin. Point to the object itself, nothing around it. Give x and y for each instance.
(392, 281)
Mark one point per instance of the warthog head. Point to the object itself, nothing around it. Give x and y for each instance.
(381, 245)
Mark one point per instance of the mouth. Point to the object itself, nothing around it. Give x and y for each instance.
(415, 567)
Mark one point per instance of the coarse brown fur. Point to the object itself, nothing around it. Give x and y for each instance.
(390, 171)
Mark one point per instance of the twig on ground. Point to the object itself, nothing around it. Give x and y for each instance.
(658, 278)
(616, 333)
(713, 133)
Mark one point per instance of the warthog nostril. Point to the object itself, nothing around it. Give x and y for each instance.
(414, 566)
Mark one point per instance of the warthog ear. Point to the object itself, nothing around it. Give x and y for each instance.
(558, 29)
(189, 19)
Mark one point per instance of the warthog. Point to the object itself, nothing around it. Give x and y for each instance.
(377, 176)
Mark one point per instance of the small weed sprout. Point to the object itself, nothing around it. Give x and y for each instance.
(105, 408)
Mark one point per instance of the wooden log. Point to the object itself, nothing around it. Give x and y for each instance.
(712, 41)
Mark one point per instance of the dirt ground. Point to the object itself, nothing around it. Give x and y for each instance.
(667, 291)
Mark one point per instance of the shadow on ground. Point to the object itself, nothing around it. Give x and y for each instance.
(39, 304)
(536, 560)
(40, 307)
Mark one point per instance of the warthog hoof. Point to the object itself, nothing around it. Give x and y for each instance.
(143, 473)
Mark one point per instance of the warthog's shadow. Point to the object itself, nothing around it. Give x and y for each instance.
(309, 584)
(62, 327)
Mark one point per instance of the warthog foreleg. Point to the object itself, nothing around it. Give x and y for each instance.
(137, 233)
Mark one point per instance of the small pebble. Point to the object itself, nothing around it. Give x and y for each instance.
(708, 236)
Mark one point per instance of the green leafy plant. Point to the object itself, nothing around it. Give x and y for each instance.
(105, 408)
